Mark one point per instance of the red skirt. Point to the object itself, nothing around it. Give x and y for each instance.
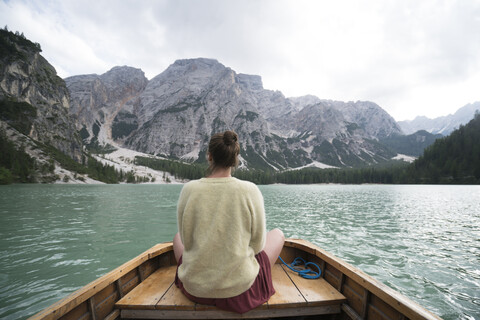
(259, 293)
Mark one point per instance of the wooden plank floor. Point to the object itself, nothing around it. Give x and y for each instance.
(157, 297)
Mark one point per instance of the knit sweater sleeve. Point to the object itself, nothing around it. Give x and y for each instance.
(181, 207)
(258, 228)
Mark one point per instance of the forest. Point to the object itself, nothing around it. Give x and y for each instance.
(15, 164)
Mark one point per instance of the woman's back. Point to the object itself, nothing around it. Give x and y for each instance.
(222, 223)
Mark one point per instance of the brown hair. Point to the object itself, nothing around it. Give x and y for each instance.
(224, 150)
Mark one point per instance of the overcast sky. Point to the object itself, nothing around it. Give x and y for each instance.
(410, 57)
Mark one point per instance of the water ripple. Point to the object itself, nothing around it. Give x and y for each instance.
(423, 241)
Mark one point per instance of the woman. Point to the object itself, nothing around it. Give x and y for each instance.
(223, 251)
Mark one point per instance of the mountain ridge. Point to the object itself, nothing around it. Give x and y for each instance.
(176, 112)
(443, 125)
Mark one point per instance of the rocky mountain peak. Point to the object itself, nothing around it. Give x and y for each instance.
(124, 76)
(206, 63)
(198, 69)
(189, 77)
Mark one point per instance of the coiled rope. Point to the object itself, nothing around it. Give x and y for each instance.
(304, 272)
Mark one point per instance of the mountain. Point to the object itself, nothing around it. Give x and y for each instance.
(371, 119)
(34, 99)
(174, 114)
(441, 125)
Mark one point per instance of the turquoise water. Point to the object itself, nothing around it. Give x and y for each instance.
(423, 241)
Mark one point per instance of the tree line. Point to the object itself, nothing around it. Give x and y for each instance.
(179, 170)
(390, 175)
(184, 171)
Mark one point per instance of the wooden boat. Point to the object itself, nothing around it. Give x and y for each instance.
(143, 289)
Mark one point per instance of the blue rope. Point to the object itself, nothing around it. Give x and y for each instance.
(306, 273)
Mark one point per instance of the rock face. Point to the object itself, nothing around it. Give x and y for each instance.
(441, 125)
(344, 134)
(96, 101)
(37, 99)
(175, 113)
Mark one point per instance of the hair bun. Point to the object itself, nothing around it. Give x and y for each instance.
(229, 137)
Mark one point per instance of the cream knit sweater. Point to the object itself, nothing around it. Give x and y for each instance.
(221, 222)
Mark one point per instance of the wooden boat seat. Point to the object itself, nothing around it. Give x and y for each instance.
(157, 297)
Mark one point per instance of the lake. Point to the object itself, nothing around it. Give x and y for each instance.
(423, 241)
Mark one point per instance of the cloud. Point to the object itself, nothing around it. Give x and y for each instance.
(408, 56)
(441, 37)
(66, 50)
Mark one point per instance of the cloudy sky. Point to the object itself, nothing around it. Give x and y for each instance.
(410, 57)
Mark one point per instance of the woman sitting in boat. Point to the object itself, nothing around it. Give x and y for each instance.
(224, 253)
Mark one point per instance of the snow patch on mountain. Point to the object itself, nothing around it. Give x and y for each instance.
(124, 159)
(404, 157)
(315, 164)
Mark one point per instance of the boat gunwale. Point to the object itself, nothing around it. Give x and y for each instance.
(396, 300)
(67, 304)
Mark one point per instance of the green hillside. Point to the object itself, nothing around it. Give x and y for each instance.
(413, 144)
(453, 159)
